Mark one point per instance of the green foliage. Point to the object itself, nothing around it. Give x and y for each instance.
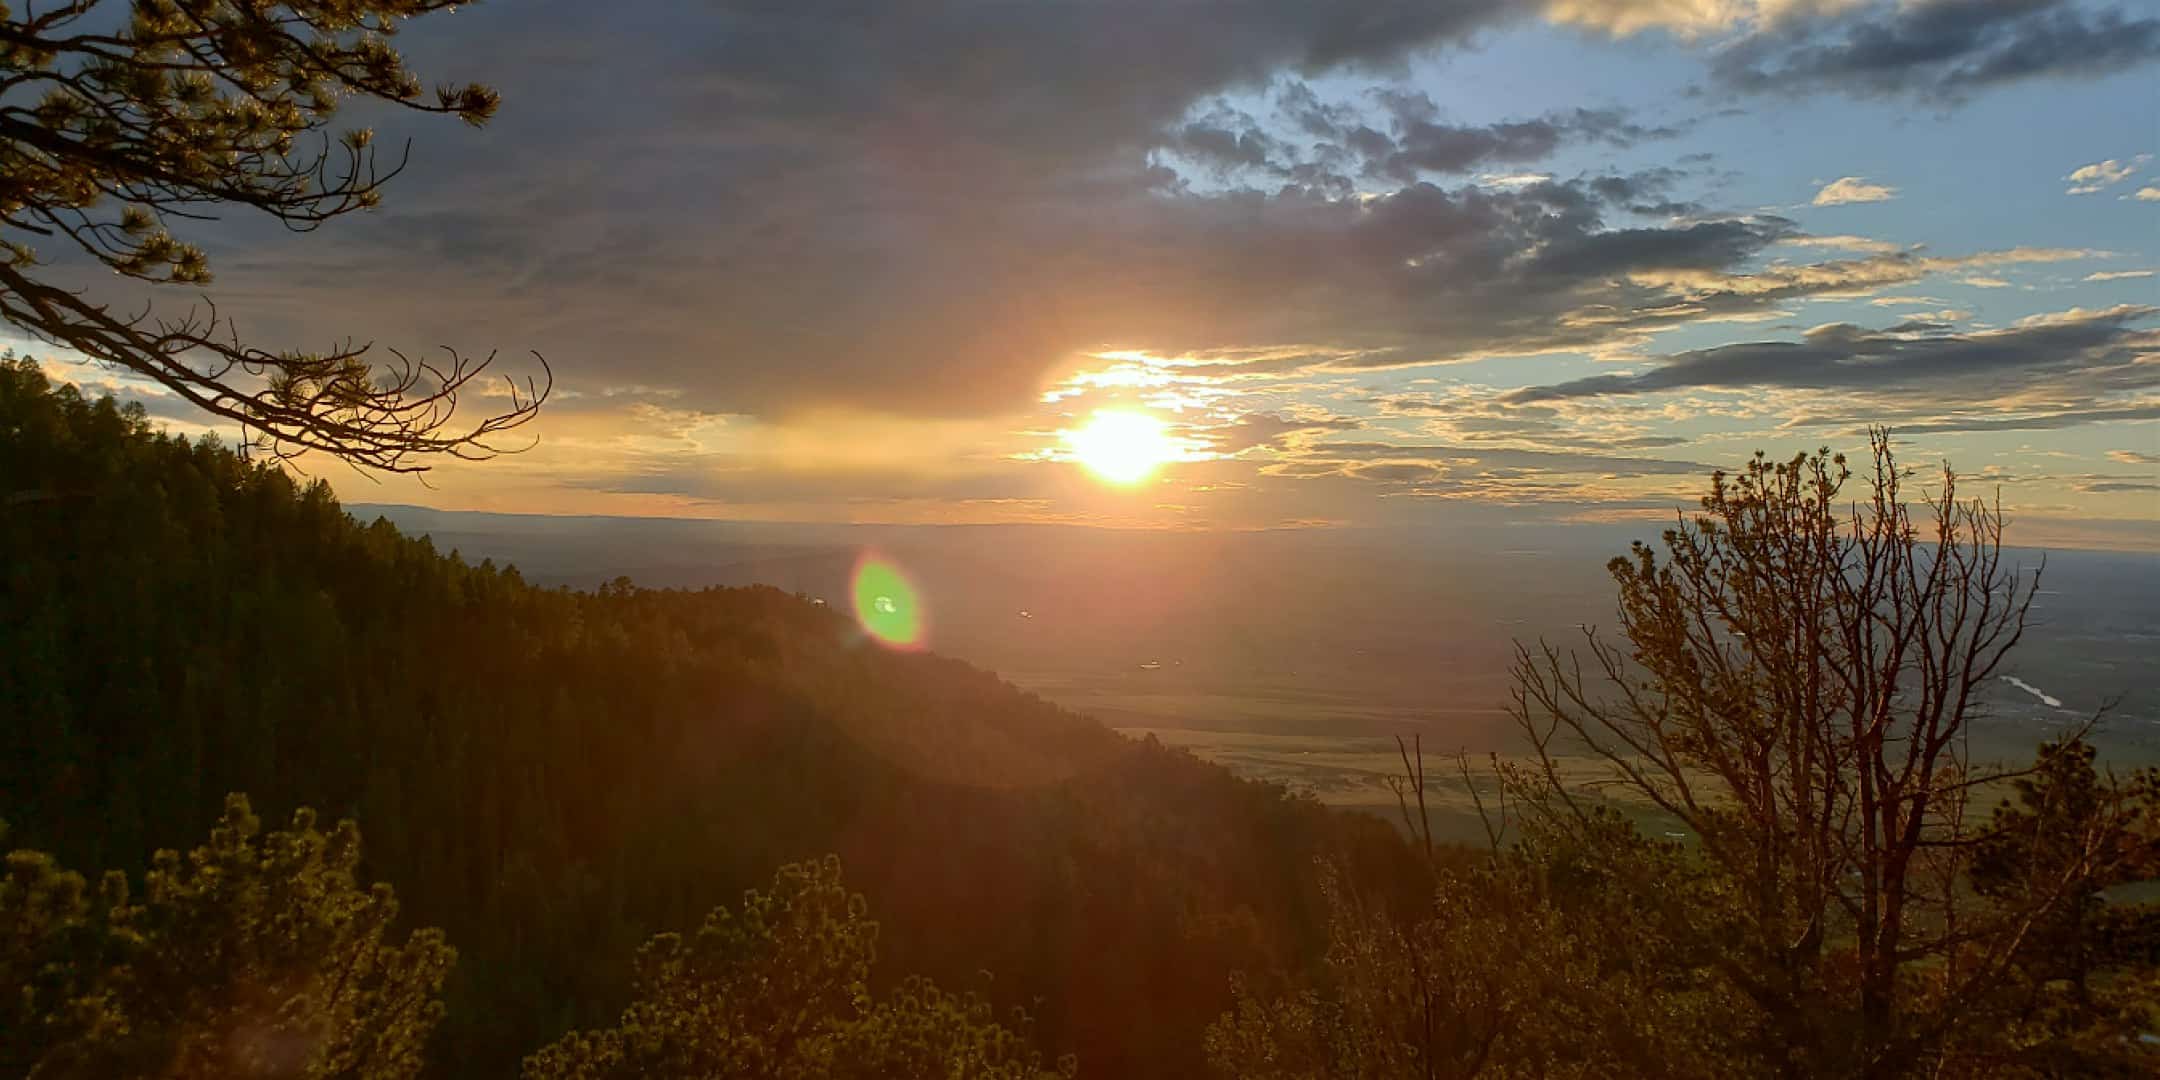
(2083, 988)
(1535, 963)
(257, 954)
(781, 989)
(553, 777)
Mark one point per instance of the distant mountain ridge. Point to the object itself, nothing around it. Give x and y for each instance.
(1305, 632)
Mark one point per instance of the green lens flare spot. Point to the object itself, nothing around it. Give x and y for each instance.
(885, 604)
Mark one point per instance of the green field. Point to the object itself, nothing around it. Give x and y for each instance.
(1352, 772)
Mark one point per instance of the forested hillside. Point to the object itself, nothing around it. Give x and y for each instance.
(553, 776)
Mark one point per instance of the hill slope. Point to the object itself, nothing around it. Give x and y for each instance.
(552, 775)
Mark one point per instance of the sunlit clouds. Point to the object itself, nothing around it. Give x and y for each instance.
(1852, 189)
(2101, 175)
(1368, 263)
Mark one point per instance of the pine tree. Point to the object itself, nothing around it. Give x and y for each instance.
(257, 954)
(781, 989)
(125, 120)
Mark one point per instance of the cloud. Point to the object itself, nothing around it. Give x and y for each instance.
(1984, 281)
(1646, 192)
(1423, 146)
(1986, 363)
(1710, 294)
(1846, 243)
(2133, 457)
(2087, 179)
(1225, 147)
(2117, 485)
(771, 264)
(1391, 135)
(2033, 422)
(1852, 189)
(2117, 275)
(1623, 18)
(1505, 475)
(2147, 194)
(1941, 50)
(920, 211)
(938, 212)
(1503, 458)
(1256, 430)
(1478, 415)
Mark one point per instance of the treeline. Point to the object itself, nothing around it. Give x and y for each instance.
(552, 777)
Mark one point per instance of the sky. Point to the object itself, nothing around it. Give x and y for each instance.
(1364, 262)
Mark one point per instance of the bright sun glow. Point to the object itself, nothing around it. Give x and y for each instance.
(1122, 447)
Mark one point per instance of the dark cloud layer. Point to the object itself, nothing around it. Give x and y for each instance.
(1486, 457)
(924, 208)
(1275, 432)
(2098, 346)
(1940, 49)
(1426, 146)
(1338, 147)
(2047, 421)
(910, 207)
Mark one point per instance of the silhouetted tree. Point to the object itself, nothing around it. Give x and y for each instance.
(1795, 690)
(119, 121)
(781, 989)
(258, 954)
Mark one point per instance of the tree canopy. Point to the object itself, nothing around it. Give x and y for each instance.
(257, 954)
(781, 989)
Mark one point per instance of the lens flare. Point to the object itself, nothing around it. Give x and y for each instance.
(885, 604)
(1123, 448)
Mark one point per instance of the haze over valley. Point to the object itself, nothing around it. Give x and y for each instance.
(1297, 655)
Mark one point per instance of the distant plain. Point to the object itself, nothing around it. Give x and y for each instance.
(1298, 655)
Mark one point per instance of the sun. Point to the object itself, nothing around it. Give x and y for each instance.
(1123, 448)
